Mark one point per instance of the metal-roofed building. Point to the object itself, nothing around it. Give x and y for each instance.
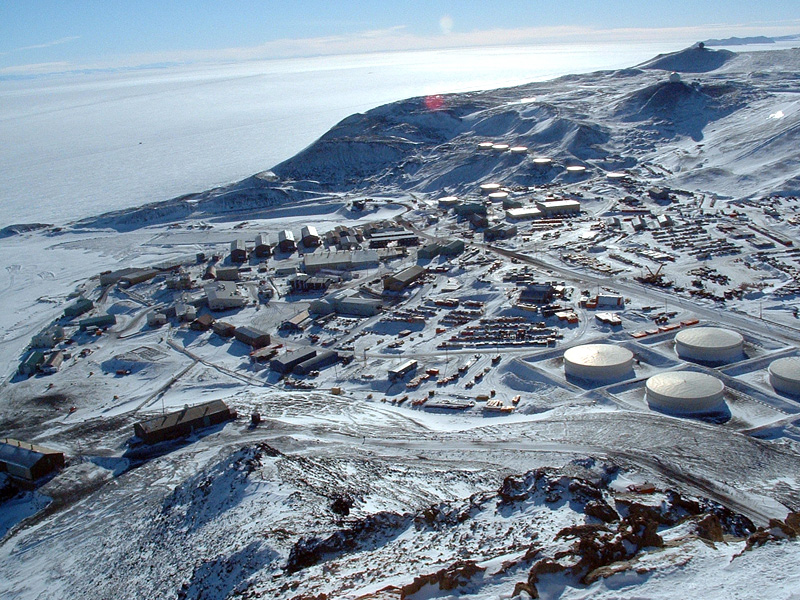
(98, 322)
(263, 248)
(288, 361)
(252, 336)
(224, 295)
(309, 236)
(30, 365)
(28, 461)
(183, 422)
(559, 207)
(286, 241)
(238, 251)
(402, 279)
(324, 358)
(80, 306)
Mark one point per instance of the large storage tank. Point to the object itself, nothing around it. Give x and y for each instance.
(709, 344)
(598, 362)
(784, 375)
(685, 392)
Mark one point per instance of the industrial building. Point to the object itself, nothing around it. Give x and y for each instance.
(401, 238)
(598, 362)
(303, 282)
(263, 248)
(28, 461)
(346, 302)
(288, 361)
(537, 293)
(402, 279)
(402, 370)
(299, 322)
(501, 231)
(138, 276)
(53, 362)
(324, 358)
(339, 260)
(309, 236)
(470, 208)
(238, 251)
(224, 295)
(98, 322)
(252, 336)
(183, 422)
(784, 375)
(227, 274)
(49, 337)
(710, 345)
(522, 214)
(685, 392)
(30, 365)
(558, 207)
(286, 241)
(79, 307)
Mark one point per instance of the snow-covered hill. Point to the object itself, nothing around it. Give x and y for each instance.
(582, 492)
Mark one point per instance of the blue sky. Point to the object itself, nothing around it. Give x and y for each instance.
(49, 35)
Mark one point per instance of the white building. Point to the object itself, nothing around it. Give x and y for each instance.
(224, 295)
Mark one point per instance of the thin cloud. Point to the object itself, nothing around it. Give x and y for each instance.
(397, 39)
(58, 42)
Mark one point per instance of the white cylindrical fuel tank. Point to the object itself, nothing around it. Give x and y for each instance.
(685, 392)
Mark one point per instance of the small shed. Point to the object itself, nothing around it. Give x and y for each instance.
(202, 323)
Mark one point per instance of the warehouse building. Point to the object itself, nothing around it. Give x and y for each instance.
(402, 370)
(346, 302)
(523, 214)
(559, 207)
(288, 361)
(183, 422)
(339, 260)
(401, 238)
(28, 461)
(99, 322)
(81, 306)
(49, 337)
(138, 276)
(30, 365)
(252, 336)
(500, 231)
(402, 279)
(324, 358)
(224, 295)
(470, 208)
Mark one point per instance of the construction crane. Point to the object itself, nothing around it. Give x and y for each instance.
(654, 278)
